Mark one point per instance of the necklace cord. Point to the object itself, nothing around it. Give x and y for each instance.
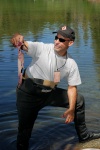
(57, 64)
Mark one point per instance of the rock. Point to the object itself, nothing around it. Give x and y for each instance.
(91, 145)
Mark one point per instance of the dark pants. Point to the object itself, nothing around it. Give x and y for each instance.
(30, 100)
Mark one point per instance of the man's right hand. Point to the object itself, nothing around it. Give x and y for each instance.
(16, 39)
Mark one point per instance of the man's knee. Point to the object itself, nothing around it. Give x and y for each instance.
(80, 101)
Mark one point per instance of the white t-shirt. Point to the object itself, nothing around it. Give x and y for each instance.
(45, 61)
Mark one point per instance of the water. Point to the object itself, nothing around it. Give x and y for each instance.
(36, 20)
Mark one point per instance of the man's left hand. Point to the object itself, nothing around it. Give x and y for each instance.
(69, 115)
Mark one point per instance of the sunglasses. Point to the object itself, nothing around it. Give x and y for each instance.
(60, 39)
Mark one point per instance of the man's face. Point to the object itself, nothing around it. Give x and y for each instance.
(61, 44)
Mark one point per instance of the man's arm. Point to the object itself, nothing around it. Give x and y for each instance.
(72, 95)
(18, 38)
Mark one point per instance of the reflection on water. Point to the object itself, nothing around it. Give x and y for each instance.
(50, 132)
(46, 135)
(41, 17)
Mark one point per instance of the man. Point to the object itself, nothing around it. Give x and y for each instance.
(41, 85)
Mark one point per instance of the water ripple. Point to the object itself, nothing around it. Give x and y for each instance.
(50, 132)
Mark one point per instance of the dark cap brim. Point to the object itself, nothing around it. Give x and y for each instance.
(62, 33)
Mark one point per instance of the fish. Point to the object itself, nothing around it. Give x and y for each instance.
(20, 62)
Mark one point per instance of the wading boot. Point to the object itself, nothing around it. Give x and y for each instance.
(22, 146)
(83, 134)
(92, 136)
(23, 139)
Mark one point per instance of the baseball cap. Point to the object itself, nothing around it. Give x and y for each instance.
(66, 32)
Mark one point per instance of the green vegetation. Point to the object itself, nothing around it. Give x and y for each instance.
(33, 15)
(16, 15)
